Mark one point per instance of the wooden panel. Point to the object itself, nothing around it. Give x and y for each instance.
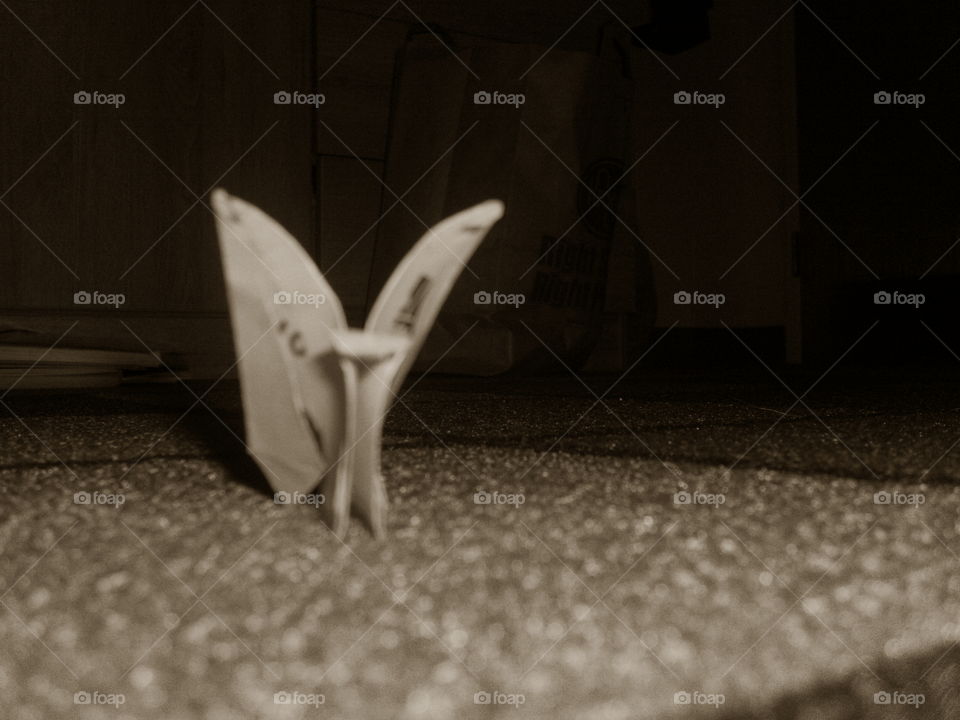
(355, 62)
(228, 131)
(36, 94)
(349, 211)
(116, 200)
(127, 199)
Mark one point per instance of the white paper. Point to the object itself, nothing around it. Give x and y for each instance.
(315, 392)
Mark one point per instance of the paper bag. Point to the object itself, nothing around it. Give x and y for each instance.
(546, 131)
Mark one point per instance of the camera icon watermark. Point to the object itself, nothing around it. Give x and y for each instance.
(95, 97)
(884, 297)
(295, 297)
(495, 97)
(295, 97)
(686, 297)
(695, 697)
(484, 297)
(298, 498)
(96, 697)
(885, 97)
(482, 497)
(896, 697)
(699, 498)
(895, 497)
(495, 697)
(95, 297)
(695, 97)
(295, 697)
(96, 497)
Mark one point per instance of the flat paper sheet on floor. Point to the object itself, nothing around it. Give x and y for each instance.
(37, 366)
(315, 392)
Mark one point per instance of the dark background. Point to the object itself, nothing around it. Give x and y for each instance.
(113, 205)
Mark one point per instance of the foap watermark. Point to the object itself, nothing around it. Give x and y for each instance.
(884, 297)
(95, 97)
(699, 498)
(885, 497)
(295, 697)
(482, 497)
(898, 698)
(98, 498)
(298, 498)
(495, 97)
(295, 297)
(695, 697)
(495, 697)
(95, 297)
(899, 98)
(498, 298)
(96, 697)
(685, 97)
(685, 297)
(295, 97)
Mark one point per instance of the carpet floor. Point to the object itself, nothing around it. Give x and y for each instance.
(681, 547)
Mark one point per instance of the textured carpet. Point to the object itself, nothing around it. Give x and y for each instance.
(588, 587)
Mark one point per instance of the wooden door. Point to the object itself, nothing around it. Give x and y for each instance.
(111, 197)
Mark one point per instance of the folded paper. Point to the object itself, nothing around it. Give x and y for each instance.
(315, 392)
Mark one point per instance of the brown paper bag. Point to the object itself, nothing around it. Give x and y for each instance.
(526, 126)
